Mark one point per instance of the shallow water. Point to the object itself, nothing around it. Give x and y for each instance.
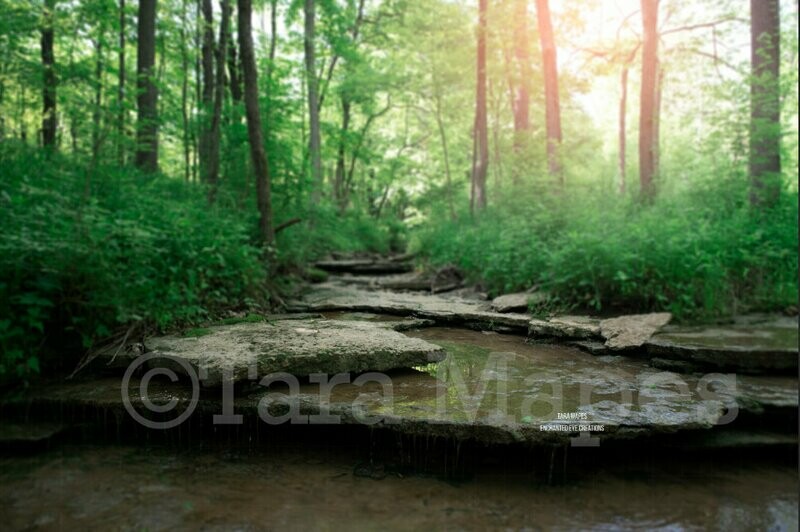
(123, 488)
(501, 379)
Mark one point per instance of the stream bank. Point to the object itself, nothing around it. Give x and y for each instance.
(469, 392)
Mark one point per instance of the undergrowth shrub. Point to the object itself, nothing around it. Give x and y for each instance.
(700, 253)
(82, 254)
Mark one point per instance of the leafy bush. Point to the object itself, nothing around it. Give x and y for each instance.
(699, 253)
(83, 253)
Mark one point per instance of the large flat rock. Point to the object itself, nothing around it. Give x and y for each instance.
(752, 345)
(298, 347)
(526, 387)
(441, 308)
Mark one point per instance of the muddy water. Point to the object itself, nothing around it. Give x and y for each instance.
(121, 488)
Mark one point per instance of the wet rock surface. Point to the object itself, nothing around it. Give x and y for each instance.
(511, 302)
(413, 282)
(567, 327)
(491, 388)
(28, 433)
(364, 266)
(441, 308)
(517, 302)
(632, 331)
(299, 347)
(750, 344)
(565, 383)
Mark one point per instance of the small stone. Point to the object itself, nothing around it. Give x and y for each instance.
(629, 332)
(511, 302)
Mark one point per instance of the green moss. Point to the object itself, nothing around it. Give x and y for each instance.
(315, 275)
(197, 332)
(250, 318)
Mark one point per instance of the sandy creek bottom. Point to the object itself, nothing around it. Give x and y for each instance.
(322, 486)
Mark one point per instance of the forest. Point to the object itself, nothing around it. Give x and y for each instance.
(165, 163)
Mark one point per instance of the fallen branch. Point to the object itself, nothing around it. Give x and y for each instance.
(287, 224)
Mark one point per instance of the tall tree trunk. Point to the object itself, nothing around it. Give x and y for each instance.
(480, 156)
(623, 113)
(647, 119)
(219, 96)
(49, 119)
(623, 110)
(445, 151)
(121, 87)
(339, 174)
(234, 71)
(257, 153)
(187, 147)
(97, 112)
(657, 119)
(522, 53)
(147, 98)
(765, 127)
(314, 142)
(207, 94)
(273, 35)
(552, 104)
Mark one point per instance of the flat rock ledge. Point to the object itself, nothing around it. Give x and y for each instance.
(664, 416)
(440, 308)
(751, 344)
(364, 266)
(769, 346)
(298, 347)
(566, 327)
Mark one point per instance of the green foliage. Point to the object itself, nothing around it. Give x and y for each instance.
(87, 253)
(325, 230)
(700, 253)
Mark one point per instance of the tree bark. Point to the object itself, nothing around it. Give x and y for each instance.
(147, 98)
(765, 127)
(623, 107)
(522, 54)
(234, 71)
(257, 153)
(480, 156)
(647, 118)
(338, 180)
(49, 118)
(314, 141)
(121, 87)
(657, 119)
(219, 96)
(97, 112)
(552, 104)
(207, 94)
(445, 151)
(623, 113)
(187, 147)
